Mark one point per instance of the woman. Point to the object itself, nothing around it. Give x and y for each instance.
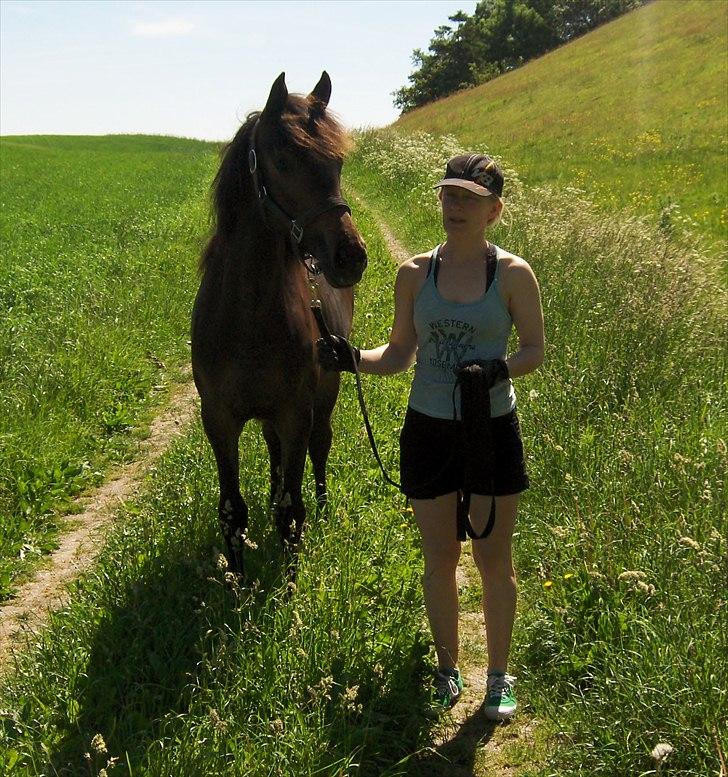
(455, 306)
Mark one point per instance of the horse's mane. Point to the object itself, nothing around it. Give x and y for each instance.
(304, 124)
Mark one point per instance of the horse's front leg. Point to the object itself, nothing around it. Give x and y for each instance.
(294, 430)
(223, 431)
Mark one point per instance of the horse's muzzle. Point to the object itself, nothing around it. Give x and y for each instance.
(348, 264)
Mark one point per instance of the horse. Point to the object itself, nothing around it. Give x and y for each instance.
(278, 218)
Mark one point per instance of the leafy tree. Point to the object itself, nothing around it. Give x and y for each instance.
(499, 36)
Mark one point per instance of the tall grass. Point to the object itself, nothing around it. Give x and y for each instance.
(621, 639)
(99, 238)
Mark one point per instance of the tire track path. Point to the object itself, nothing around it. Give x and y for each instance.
(28, 611)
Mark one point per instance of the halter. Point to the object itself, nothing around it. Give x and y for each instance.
(293, 226)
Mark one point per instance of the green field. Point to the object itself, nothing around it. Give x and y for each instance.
(621, 549)
(98, 242)
(635, 113)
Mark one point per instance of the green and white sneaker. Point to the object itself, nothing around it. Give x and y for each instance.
(500, 703)
(448, 686)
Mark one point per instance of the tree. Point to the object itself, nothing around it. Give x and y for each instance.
(499, 36)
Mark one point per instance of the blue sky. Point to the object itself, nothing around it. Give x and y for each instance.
(196, 68)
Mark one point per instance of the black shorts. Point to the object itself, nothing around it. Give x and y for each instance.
(431, 457)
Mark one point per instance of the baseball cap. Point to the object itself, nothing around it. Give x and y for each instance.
(476, 172)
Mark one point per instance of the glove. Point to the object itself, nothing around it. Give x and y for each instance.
(335, 354)
(492, 370)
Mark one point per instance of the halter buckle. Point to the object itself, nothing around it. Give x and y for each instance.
(296, 232)
(252, 160)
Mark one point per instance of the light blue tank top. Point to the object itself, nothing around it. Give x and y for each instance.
(452, 332)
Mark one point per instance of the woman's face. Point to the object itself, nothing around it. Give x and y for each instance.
(464, 211)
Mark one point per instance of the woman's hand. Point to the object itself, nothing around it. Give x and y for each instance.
(336, 354)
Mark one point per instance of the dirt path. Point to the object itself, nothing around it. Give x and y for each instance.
(23, 615)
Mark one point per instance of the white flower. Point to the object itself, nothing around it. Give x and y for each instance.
(689, 542)
(661, 750)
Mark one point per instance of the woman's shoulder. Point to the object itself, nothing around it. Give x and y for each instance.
(416, 266)
(412, 272)
(514, 271)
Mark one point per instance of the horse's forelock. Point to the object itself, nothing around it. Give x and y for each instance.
(308, 125)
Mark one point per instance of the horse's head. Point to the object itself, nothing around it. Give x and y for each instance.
(297, 154)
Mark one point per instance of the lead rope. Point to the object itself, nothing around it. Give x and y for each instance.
(326, 334)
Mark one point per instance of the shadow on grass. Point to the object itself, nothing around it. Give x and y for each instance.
(456, 756)
(145, 653)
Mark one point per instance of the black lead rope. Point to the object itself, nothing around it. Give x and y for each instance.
(326, 334)
(478, 433)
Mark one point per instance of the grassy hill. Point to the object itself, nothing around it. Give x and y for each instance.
(635, 113)
(99, 239)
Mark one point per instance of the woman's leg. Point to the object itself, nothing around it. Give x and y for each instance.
(436, 521)
(494, 560)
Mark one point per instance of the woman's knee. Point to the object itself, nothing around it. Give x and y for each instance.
(441, 561)
(492, 563)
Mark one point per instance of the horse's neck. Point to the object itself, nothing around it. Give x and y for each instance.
(259, 267)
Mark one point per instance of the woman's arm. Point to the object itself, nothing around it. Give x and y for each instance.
(524, 304)
(399, 353)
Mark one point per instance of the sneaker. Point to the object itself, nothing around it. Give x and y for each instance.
(500, 703)
(448, 686)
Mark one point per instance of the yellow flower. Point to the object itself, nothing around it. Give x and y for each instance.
(568, 575)
(548, 583)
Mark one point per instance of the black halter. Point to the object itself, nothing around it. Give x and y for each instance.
(293, 226)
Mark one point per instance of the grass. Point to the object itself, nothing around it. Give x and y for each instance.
(621, 549)
(99, 239)
(634, 113)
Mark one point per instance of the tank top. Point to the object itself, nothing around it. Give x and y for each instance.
(451, 332)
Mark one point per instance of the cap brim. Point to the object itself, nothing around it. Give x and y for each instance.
(464, 184)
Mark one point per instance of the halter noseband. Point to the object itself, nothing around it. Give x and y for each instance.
(294, 227)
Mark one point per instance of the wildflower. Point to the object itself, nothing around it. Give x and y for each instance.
(291, 587)
(98, 745)
(568, 478)
(661, 750)
(230, 579)
(277, 726)
(548, 583)
(249, 543)
(533, 395)
(647, 588)
(297, 622)
(632, 575)
(349, 698)
(217, 721)
(222, 562)
(322, 689)
(689, 542)
(568, 575)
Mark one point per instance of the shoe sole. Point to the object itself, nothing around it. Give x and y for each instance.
(492, 714)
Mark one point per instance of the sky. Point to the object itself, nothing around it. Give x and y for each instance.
(195, 69)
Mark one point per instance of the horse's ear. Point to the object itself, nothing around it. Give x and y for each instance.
(277, 97)
(322, 90)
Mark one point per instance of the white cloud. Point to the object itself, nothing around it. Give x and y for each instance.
(169, 28)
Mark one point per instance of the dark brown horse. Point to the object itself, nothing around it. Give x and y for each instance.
(277, 204)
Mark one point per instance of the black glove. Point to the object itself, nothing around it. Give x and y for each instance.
(335, 354)
(493, 370)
